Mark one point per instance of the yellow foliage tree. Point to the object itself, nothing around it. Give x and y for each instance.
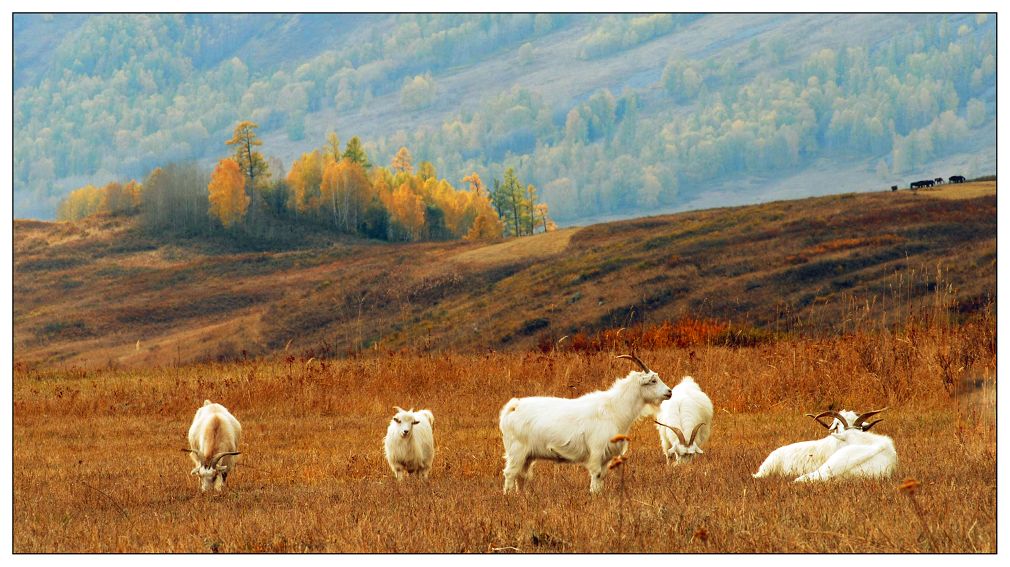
(228, 199)
(403, 161)
(80, 203)
(345, 192)
(304, 180)
(406, 209)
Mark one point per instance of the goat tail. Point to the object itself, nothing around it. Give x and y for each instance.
(508, 408)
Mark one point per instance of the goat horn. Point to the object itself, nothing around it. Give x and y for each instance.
(694, 433)
(818, 420)
(865, 416)
(219, 456)
(187, 450)
(636, 360)
(867, 426)
(680, 434)
(833, 414)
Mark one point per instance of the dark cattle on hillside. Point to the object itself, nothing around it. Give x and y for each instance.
(938, 180)
(894, 187)
(956, 179)
(921, 183)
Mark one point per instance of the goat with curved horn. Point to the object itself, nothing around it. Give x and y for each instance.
(636, 360)
(860, 421)
(688, 409)
(833, 414)
(213, 444)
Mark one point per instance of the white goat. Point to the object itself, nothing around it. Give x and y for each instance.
(410, 444)
(806, 457)
(576, 430)
(213, 444)
(689, 409)
(860, 454)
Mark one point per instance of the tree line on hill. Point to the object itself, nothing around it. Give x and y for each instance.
(128, 92)
(327, 188)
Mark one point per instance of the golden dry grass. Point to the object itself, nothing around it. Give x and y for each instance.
(959, 191)
(519, 249)
(97, 466)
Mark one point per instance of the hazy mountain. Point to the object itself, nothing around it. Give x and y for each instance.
(609, 116)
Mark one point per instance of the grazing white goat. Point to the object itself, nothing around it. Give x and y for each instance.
(806, 457)
(213, 444)
(410, 444)
(576, 430)
(688, 409)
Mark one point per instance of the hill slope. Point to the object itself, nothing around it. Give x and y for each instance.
(100, 293)
(664, 107)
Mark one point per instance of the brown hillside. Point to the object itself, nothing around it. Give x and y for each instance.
(100, 293)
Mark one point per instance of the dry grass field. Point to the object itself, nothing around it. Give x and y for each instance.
(97, 466)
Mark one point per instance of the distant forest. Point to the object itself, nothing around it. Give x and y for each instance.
(128, 93)
(328, 190)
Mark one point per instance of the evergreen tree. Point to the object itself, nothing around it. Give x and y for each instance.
(356, 153)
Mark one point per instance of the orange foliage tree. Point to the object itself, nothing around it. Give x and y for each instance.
(228, 199)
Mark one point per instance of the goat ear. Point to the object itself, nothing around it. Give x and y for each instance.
(398, 409)
(207, 402)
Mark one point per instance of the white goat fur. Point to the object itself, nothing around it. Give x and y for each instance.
(686, 409)
(214, 431)
(843, 453)
(575, 430)
(861, 454)
(410, 442)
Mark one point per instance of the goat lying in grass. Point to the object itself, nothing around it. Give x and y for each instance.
(849, 450)
(576, 430)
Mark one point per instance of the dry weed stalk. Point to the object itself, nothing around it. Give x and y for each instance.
(909, 487)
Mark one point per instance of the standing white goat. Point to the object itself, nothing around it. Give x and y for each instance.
(806, 457)
(688, 409)
(576, 430)
(213, 444)
(410, 443)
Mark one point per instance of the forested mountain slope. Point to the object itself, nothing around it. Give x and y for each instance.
(608, 115)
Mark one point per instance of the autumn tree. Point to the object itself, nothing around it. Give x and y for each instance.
(406, 211)
(304, 181)
(345, 192)
(486, 223)
(332, 148)
(80, 203)
(426, 170)
(403, 161)
(228, 199)
(251, 162)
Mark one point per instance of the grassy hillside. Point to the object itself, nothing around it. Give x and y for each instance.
(101, 293)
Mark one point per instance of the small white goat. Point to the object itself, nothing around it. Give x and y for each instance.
(806, 457)
(410, 443)
(689, 409)
(576, 430)
(213, 444)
